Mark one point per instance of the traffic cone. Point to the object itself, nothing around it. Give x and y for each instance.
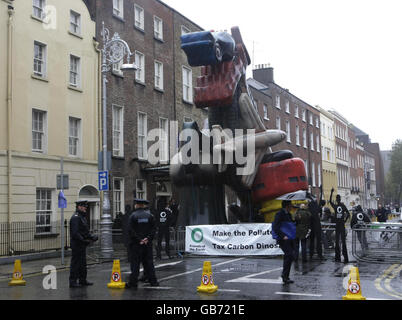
(17, 275)
(115, 280)
(207, 281)
(354, 289)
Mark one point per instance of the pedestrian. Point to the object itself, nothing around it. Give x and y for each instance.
(315, 209)
(80, 238)
(284, 231)
(164, 221)
(358, 221)
(328, 237)
(303, 229)
(341, 216)
(174, 206)
(142, 229)
(381, 214)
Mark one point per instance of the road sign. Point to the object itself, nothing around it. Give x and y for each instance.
(103, 181)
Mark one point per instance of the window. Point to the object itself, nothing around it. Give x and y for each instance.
(38, 8)
(312, 141)
(39, 59)
(306, 166)
(158, 28)
(139, 17)
(318, 143)
(288, 131)
(118, 8)
(304, 115)
(158, 75)
(38, 130)
(266, 112)
(311, 118)
(317, 122)
(141, 189)
(163, 144)
(75, 65)
(185, 30)
(278, 123)
(43, 210)
(142, 135)
(278, 102)
(75, 22)
(287, 107)
(118, 196)
(297, 111)
(118, 133)
(304, 138)
(74, 136)
(297, 135)
(313, 174)
(187, 85)
(140, 62)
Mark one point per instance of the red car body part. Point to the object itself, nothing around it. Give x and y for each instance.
(275, 179)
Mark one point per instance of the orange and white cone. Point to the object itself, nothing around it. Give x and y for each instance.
(207, 281)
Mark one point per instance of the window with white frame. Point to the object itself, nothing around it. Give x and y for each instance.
(118, 6)
(306, 166)
(38, 8)
(75, 22)
(75, 71)
(40, 59)
(139, 17)
(278, 123)
(288, 139)
(158, 28)
(158, 75)
(140, 62)
(141, 189)
(287, 106)
(185, 30)
(38, 130)
(313, 174)
(297, 135)
(317, 122)
(44, 210)
(142, 135)
(187, 84)
(118, 196)
(278, 102)
(312, 141)
(296, 111)
(265, 112)
(318, 143)
(163, 140)
(311, 118)
(74, 129)
(304, 115)
(118, 131)
(304, 138)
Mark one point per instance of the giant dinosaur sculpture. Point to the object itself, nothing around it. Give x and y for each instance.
(223, 89)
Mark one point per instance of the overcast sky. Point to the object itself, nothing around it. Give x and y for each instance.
(344, 55)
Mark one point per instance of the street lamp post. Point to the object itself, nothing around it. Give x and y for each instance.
(113, 52)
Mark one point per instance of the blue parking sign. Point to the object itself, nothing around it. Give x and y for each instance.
(103, 181)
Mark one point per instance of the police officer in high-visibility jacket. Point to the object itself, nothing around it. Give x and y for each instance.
(341, 216)
(141, 228)
(80, 239)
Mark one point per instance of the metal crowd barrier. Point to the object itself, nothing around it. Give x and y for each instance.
(377, 242)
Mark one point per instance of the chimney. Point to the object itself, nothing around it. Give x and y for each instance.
(264, 74)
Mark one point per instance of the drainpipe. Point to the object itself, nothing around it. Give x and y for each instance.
(9, 118)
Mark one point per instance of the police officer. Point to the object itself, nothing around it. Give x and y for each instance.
(141, 232)
(165, 219)
(80, 239)
(341, 216)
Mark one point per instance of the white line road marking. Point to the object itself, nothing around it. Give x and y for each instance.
(228, 290)
(199, 269)
(158, 266)
(157, 288)
(299, 294)
(251, 279)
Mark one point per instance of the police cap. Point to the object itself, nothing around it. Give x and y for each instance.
(82, 203)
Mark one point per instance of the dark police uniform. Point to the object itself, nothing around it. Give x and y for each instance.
(80, 239)
(141, 226)
(165, 219)
(341, 216)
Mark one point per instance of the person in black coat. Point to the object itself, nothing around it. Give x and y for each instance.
(315, 209)
(286, 244)
(381, 214)
(80, 239)
(164, 221)
(358, 221)
(341, 216)
(142, 230)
